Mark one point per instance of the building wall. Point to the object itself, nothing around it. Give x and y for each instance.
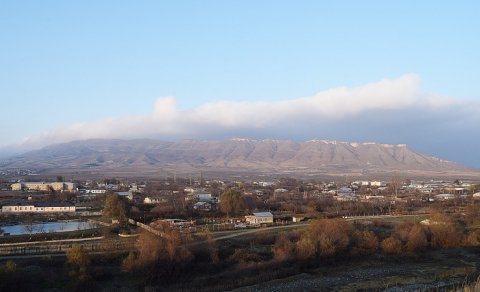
(33, 209)
(36, 186)
(259, 219)
(42, 186)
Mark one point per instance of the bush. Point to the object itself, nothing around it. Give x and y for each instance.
(283, 249)
(305, 248)
(417, 239)
(365, 242)
(445, 236)
(244, 255)
(392, 246)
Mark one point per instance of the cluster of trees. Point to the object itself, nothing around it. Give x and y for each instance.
(327, 238)
(174, 256)
(160, 256)
(443, 232)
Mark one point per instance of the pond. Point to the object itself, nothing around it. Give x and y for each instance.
(49, 227)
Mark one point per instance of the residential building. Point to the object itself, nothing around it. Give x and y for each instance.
(202, 206)
(44, 186)
(28, 207)
(260, 218)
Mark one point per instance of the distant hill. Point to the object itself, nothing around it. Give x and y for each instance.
(144, 156)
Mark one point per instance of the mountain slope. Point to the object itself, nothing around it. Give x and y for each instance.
(320, 156)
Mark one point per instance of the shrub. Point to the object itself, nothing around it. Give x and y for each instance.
(365, 242)
(445, 236)
(416, 239)
(391, 245)
(305, 248)
(244, 255)
(283, 249)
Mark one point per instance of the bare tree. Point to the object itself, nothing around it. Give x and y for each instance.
(395, 184)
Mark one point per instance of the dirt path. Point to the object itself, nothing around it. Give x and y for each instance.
(256, 230)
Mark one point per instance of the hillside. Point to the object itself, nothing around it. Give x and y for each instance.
(234, 155)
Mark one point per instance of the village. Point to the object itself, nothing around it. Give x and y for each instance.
(257, 203)
(191, 229)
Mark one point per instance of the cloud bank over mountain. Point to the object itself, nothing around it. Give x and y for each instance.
(387, 111)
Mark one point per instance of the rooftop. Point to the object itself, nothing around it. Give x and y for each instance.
(263, 214)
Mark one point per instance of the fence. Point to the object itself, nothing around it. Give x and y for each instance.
(99, 244)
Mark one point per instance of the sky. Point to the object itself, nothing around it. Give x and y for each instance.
(397, 72)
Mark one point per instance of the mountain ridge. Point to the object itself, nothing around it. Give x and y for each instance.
(236, 154)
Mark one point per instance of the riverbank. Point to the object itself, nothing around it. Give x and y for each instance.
(51, 236)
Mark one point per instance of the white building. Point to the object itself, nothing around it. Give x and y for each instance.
(154, 200)
(444, 197)
(44, 186)
(27, 207)
(260, 218)
(202, 206)
(95, 191)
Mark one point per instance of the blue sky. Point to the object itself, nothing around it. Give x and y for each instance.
(70, 67)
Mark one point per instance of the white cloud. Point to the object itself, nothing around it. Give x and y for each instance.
(228, 117)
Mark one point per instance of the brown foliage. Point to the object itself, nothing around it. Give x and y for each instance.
(78, 257)
(445, 236)
(365, 242)
(473, 238)
(244, 255)
(283, 248)
(129, 264)
(402, 230)
(417, 239)
(472, 213)
(329, 236)
(79, 261)
(166, 253)
(440, 218)
(305, 248)
(210, 247)
(391, 245)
